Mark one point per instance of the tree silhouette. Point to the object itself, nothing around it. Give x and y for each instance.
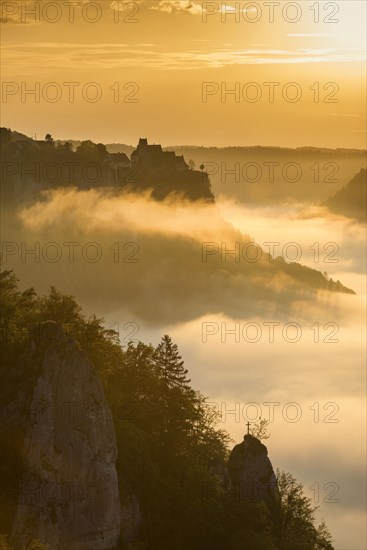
(68, 146)
(170, 364)
(295, 518)
(260, 428)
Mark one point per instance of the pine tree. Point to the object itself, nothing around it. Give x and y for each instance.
(170, 364)
(176, 402)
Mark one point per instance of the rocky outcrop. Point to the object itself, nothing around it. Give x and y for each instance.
(68, 497)
(251, 472)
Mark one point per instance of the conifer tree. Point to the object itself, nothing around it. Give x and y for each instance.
(170, 364)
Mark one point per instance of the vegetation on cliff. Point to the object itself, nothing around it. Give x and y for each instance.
(171, 454)
(32, 166)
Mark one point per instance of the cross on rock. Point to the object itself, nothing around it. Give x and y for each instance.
(248, 427)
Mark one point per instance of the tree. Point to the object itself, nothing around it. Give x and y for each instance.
(90, 150)
(19, 311)
(168, 442)
(68, 146)
(325, 540)
(102, 150)
(4, 545)
(60, 308)
(260, 429)
(295, 518)
(175, 400)
(5, 136)
(170, 364)
(49, 138)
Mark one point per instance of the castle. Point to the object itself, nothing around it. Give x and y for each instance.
(154, 156)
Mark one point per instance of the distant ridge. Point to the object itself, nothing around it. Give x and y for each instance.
(25, 163)
(350, 201)
(117, 147)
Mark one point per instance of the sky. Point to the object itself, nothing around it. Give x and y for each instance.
(180, 72)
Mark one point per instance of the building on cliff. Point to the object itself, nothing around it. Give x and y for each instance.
(165, 173)
(154, 155)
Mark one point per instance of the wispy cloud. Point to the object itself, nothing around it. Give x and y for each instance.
(310, 34)
(187, 6)
(36, 56)
(344, 115)
(29, 12)
(177, 6)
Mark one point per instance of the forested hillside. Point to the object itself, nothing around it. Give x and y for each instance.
(171, 456)
(31, 166)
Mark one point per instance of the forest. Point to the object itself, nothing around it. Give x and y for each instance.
(169, 445)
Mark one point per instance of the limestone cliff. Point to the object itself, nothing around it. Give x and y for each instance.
(251, 472)
(68, 496)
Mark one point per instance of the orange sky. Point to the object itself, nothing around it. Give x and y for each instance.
(170, 52)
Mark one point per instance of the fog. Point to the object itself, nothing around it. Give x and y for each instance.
(248, 332)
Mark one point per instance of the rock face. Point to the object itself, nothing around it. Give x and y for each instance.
(131, 518)
(251, 472)
(68, 496)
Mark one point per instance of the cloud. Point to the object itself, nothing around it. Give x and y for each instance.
(311, 224)
(312, 35)
(20, 13)
(105, 212)
(187, 6)
(309, 374)
(30, 12)
(172, 281)
(26, 57)
(170, 290)
(177, 7)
